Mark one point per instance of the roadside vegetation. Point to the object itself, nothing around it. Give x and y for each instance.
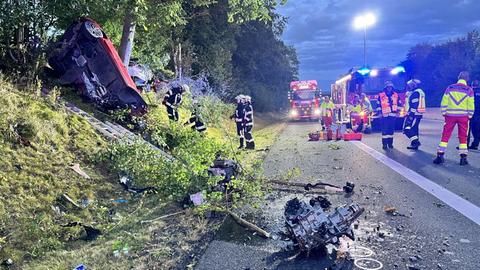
(40, 142)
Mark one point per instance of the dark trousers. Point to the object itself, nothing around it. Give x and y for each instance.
(474, 131)
(172, 113)
(241, 132)
(249, 137)
(410, 128)
(388, 129)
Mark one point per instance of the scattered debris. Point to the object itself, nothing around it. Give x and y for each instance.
(127, 185)
(66, 198)
(7, 262)
(77, 169)
(228, 169)
(389, 209)
(439, 205)
(314, 136)
(197, 199)
(162, 217)
(91, 233)
(334, 146)
(464, 241)
(120, 201)
(249, 225)
(311, 227)
(80, 267)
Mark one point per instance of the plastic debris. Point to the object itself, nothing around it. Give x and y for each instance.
(80, 267)
(77, 169)
(197, 198)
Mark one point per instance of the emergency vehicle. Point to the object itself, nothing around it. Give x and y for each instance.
(370, 82)
(304, 97)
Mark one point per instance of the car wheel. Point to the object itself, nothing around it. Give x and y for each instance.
(93, 30)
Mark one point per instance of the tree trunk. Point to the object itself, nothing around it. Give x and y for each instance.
(128, 35)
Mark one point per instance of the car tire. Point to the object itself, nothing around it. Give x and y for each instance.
(91, 30)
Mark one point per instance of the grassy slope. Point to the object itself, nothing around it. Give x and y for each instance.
(31, 226)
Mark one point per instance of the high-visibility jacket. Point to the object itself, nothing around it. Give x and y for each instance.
(327, 109)
(458, 100)
(173, 98)
(389, 108)
(415, 102)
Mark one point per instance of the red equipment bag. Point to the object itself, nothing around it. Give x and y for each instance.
(352, 136)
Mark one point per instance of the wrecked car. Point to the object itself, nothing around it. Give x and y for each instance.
(85, 58)
(310, 226)
(141, 75)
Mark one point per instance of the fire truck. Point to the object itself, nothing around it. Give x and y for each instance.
(370, 82)
(304, 97)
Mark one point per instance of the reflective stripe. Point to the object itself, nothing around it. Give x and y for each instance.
(414, 138)
(387, 136)
(415, 100)
(249, 124)
(251, 140)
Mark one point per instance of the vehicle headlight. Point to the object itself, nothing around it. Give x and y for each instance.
(293, 113)
(317, 112)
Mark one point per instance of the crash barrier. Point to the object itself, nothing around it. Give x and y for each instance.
(113, 131)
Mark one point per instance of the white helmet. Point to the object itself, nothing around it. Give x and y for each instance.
(239, 98)
(414, 82)
(248, 98)
(185, 88)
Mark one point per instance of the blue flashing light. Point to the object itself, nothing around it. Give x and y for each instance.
(363, 71)
(397, 70)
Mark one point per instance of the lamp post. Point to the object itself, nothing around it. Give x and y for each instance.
(363, 22)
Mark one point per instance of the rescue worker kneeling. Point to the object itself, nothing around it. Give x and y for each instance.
(358, 115)
(457, 108)
(196, 119)
(239, 117)
(249, 123)
(415, 108)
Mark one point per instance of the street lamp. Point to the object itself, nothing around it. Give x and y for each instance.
(363, 22)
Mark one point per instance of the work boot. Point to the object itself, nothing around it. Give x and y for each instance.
(412, 147)
(384, 147)
(250, 146)
(390, 145)
(463, 160)
(439, 159)
(241, 144)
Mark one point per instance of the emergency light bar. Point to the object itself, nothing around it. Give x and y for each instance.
(303, 85)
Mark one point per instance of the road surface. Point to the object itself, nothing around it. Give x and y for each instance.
(440, 228)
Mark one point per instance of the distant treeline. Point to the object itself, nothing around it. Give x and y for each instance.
(438, 65)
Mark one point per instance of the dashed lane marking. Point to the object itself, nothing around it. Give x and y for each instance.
(463, 206)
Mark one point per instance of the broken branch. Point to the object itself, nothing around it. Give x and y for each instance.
(248, 225)
(162, 217)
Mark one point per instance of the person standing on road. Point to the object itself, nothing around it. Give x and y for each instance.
(173, 99)
(457, 108)
(249, 123)
(239, 117)
(389, 103)
(475, 121)
(326, 110)
(415, 108)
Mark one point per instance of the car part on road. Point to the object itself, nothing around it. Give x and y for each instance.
(85, 58)
(348, 188)
(310, 227)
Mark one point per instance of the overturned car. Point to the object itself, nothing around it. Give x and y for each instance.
(85, 58)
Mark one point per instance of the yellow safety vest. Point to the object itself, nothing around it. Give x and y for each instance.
(327, 109)
(458, 100)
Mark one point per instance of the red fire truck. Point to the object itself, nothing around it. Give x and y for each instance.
(304, 97)
(371, 82)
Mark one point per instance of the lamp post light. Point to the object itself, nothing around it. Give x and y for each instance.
(363, 22)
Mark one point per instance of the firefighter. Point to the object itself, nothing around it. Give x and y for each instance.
(389, 103)
(457, 108)
(173, 99)
(475, 121)
(356, 114)
(367, 111)
(326, 110)
(196, 119)
(415, 108)
(239, 116)
(249, 123)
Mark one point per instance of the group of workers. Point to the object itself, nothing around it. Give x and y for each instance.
(243, 115)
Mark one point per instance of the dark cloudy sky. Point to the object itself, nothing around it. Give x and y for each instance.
(328, 45)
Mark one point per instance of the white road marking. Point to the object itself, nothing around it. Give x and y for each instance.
(463, 206)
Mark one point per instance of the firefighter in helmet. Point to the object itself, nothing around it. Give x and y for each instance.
(389, 107)
(238, 117)
(249, 123)
(196, 118)
(457, 108)
(415, 108)
(173, 99)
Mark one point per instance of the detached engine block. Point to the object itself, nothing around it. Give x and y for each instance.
(310, 226)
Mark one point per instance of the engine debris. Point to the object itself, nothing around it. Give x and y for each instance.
(311, 227)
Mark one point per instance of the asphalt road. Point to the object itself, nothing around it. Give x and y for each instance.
(430, 233)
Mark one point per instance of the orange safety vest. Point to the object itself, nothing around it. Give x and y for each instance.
(386, 110)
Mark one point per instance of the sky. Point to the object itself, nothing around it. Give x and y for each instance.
(328, 45)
